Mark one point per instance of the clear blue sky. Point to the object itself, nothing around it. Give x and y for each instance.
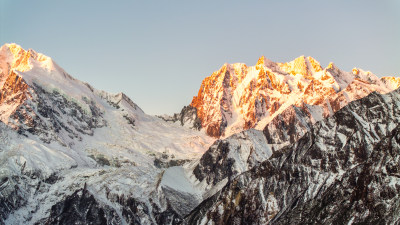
(158, 52)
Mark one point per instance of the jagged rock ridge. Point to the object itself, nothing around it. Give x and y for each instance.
(187, 117)
(238, 97)
(234, 155)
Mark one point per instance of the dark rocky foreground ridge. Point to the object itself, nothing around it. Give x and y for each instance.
(346, 170)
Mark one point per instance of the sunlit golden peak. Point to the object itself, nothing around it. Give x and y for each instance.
(15, 49)
(331, 66)
(314, 63)
(297, 66)
(301, 58)
(21, 58)
(261, 60)
(356, 71)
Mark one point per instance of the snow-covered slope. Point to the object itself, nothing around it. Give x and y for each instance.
(61, 135)
(68, 109)
(238, 97)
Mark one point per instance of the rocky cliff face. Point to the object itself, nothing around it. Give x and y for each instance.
(82, 207)
(229, 157)
(238, 97)
(187, 118)
(344, 170)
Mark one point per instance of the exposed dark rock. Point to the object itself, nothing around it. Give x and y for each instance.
(135, 212)
(335, 174)
(101, 160)
(130, 120)
(53, 113)
(52, 179)
(229, 157)
(188, 115)
(180, 202)
(288, 126)
(165, 163)
(82, 208)
(215, 165)
(11, 197)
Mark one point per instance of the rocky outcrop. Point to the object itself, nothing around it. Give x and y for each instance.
(54, 115)
(13, 93)
(215, 164)
(393, 82)
(187, 117)
(11, 197)
(288, 126)
(229, 157)
(214, 100)
(82, 207)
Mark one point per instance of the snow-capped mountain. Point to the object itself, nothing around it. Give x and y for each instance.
(238, 97)
(323, 96)
(290, 137)
(61, 135)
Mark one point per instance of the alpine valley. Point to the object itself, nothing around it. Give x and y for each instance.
(274, 143)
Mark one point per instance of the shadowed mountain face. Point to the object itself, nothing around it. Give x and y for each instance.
(296, 148)
(345, 170)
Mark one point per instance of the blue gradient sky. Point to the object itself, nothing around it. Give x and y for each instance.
(159, 52)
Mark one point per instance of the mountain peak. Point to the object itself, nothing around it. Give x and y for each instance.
(332, 66)
(14, 48)
(17, 51)
(261, 61)
(393, 82)
(301, 58)
(314, 63)
(356, 71)
(19, 58)
(297, 66)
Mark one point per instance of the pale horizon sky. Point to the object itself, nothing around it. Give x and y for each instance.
(158, 52)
